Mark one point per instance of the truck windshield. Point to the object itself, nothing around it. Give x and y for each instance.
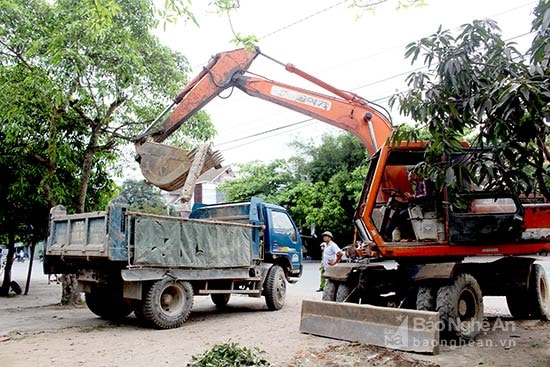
(282, 224)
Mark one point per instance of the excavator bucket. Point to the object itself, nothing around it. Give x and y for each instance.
(394, 328)
(171, 168)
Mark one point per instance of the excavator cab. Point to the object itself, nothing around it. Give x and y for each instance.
(397, 215)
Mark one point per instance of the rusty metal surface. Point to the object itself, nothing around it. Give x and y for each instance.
(167, 167)
(435, 271)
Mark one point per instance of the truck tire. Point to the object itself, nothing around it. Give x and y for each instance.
(220, 299)
(167, 303)
(425, 298)
(539, 293)
(329, 293)
(275, 288)
(460, 306)
(137, 306)
(106, 304)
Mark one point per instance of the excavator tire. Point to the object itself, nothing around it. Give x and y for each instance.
(539, 293)
(344, 293)
(460, 306)
(329, 293)
(534, 302)
(517, 305)
(425, 298)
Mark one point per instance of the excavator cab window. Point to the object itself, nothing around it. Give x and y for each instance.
(401, 213)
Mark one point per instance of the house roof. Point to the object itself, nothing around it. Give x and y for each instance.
(213, 174)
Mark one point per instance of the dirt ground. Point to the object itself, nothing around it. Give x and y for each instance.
(34, 331)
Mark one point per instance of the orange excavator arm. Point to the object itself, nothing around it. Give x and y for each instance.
(343, 109)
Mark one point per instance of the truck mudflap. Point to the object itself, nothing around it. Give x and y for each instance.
(394, 328)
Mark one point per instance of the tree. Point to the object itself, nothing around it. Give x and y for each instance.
(476, 81)
(143, 198)
(320, 185)
(76, 85)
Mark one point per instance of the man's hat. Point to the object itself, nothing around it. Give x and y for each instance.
(327, 233)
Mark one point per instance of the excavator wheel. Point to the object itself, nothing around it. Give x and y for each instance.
(345, 293)
(540, 293)
(460, 306)
(329, 293)
(532, 302)
(425, 298)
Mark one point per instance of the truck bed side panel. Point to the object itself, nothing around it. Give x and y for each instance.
(194, 244)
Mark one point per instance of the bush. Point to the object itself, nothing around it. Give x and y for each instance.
(229, 355)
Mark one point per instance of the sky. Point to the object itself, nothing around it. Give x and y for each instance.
(353, 50)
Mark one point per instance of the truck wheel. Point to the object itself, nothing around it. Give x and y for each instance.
(137, 306)
(329, 293)
(275, 288)
(106, 304)
(220, 299)
(167, 303)
(539, 294)
(425, 298)
(460, 306)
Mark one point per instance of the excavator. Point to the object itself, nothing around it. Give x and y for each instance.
(405, 286)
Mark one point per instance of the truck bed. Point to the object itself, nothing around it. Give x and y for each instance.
(145, 240)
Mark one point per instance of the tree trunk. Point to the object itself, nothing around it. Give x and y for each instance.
(5, 289)
(70, 295)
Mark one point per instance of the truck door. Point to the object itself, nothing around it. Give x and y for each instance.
(284, 237)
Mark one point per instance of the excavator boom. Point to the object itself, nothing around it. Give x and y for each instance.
(168, 167)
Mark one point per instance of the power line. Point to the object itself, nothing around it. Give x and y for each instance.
(302, 19)
(299, 124)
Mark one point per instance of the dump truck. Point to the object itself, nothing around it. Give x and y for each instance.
(427, 271)
(154, 265)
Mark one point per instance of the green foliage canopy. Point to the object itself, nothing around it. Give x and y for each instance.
(78, 78)
(319, 185)
(143, 198)
(476, 81)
